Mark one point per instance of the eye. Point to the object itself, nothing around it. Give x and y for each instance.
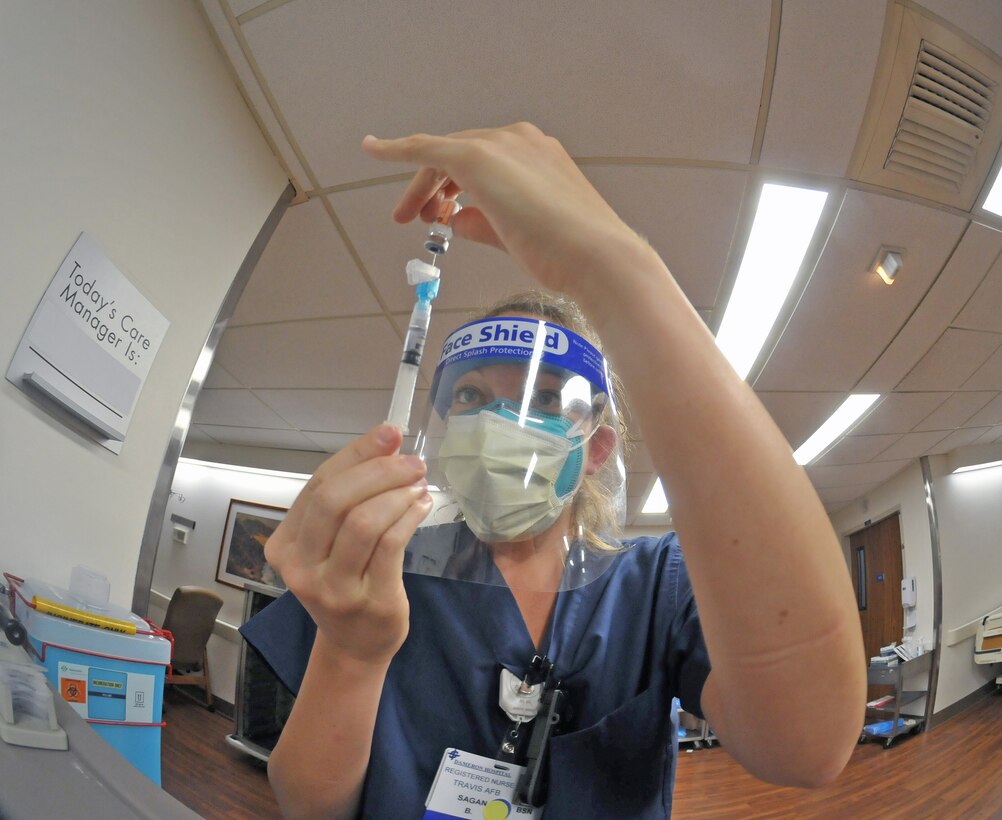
(547, 400)
(468, 396)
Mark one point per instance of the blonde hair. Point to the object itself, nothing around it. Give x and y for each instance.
(594, 509)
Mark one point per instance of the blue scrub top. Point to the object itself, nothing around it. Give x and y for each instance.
(624, 646)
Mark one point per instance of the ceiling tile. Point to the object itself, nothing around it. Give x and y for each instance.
(955, 411)
(660, 96)
(988, 415)
(952, 360)
(798, 415)
(827, 54)
(219, 377)
(241, 6)
(198, 434)
(899, 413)
(856, 450)
(982, 311)
(472, 275)
(981, 17)
(332, 411)
(953, 288)
(848, 475)
(639, 484)
(237, 408)
(839, 496)
(259, 437)
(322, 353)
(958, 438)
(847, 316)
(989, 375)
(912, 445)
(991, 435)
(694, 241)
(305, 272)
(251, 87)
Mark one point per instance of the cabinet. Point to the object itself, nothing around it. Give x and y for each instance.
(262, 703)
(890, 711)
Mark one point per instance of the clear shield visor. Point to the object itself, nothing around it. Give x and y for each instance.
(522, 438)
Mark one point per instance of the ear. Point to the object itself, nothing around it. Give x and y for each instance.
(600, 447)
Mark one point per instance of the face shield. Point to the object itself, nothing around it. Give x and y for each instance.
(521, 435)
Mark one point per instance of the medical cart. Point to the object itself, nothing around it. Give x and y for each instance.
(895, 675)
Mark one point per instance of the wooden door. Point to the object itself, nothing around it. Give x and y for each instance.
(875, 558)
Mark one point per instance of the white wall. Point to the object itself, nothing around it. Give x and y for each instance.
(202, 493)
(970, 523)
(119, 118)
(970, 526)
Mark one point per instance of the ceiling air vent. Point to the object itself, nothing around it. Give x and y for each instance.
(931, 127)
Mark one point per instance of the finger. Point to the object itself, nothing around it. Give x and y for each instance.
(381, 440)
(424, 188)
(387, 562)
(333, 501)
(433, 207)
(363, 529)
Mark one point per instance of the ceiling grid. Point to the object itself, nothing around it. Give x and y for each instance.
(677, 112)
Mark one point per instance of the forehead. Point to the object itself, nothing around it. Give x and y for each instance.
(510, 376)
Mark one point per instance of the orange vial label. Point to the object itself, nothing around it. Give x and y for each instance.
(447, 211)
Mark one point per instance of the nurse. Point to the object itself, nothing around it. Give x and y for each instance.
(526, 634)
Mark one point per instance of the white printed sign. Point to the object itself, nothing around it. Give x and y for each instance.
(91, 342)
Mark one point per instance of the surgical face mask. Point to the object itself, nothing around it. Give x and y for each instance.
(511, 481)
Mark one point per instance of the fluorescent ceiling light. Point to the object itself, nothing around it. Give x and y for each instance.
(215, 465)
(840, 421)
(984, 466)
(657, 501)
(993, 202)
(782, 231)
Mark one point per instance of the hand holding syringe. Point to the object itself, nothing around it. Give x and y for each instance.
(425, 278)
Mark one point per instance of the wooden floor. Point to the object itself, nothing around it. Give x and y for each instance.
(954, 771)
(204, 772)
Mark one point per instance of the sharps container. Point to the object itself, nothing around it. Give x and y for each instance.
(107, 663)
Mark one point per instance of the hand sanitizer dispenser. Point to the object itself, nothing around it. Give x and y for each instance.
(909, 599)
(908, 595)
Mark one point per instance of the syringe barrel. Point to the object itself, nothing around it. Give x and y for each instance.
(403, 396)
(410, 362)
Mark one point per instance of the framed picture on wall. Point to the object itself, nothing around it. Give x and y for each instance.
(241, 555)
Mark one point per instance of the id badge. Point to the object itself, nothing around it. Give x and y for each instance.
(469, 785)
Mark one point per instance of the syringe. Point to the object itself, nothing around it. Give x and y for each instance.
(417, 333)
(425, 278)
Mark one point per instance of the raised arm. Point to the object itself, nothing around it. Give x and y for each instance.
(788, 685)
(340, 550)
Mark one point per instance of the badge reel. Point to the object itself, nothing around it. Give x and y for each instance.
(495, 788)
(538, 695)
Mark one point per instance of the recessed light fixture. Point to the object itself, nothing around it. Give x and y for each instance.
(236, 468)
(841, 420)
(971, 467)
(657, 501)
(993, 202)
(887, 264)
(781, 233)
